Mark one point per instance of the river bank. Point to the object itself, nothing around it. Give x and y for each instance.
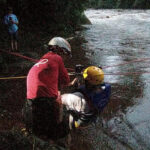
(32, 44)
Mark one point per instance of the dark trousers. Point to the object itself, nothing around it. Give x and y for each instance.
(45, 113)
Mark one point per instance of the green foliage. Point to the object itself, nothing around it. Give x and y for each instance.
(48, 14)
(125, 4)
(108, 3)
(61, 13)
(141, 3)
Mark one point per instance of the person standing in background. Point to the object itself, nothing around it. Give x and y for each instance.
(11, 21)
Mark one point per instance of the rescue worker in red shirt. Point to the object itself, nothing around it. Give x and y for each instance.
(43, 81)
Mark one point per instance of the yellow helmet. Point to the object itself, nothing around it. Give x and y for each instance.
(93, 75)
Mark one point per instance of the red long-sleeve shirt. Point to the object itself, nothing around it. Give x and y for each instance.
(44, 77)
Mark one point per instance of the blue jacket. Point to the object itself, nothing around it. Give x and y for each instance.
(98, 99)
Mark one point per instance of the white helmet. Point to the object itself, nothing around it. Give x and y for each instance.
(61, 42)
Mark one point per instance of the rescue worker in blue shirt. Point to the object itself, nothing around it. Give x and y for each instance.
(12, 22)
(88, 100)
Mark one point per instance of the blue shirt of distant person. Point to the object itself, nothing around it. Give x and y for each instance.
(12, 27)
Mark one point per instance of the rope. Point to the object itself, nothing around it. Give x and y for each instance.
(19, 55)
(139, 60)
(73, 73)
(22, 77)
(127, 73)
(25, 57)
(7, 78)
(105, 67)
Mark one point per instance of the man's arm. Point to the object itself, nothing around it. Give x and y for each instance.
(64, 78)
(73, 82)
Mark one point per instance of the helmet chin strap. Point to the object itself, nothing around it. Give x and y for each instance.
(66, 52)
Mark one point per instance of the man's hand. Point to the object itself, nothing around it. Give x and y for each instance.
(73, 82)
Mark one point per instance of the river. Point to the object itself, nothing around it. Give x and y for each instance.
(119, 42)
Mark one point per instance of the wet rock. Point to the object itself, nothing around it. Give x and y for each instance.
(15, 140)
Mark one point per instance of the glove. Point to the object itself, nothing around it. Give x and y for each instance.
(77, 123)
